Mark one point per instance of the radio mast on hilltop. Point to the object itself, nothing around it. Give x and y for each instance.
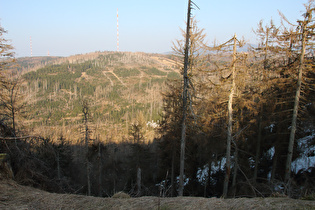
(31, 46)
(117, 33)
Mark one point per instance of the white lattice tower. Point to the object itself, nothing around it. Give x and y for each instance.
(117, 33)
(31, 46)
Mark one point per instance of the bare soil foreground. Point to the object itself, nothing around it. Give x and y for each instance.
(14, 196)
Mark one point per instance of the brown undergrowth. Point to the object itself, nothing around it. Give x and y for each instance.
(15, 196)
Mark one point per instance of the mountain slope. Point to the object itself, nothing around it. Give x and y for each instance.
(117, 85)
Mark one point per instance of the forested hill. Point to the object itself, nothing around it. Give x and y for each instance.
(120, 87)
(210, 121)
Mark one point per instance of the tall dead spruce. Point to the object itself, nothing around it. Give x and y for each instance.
(230, 121)
(185, 99)
(305, 39)
(233, 42)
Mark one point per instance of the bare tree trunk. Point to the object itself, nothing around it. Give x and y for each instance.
(99, 170)
(257, 148)
(235, 170)
(139, 181)
(274, 165)
(13, 121)
(296, 107)
(173, 173)
(185, 90)
(230, 122)
(152, 98)
(85, 111)
(12, 104)
(88, 177)
(58, 166)
(207, 180)
(75, 91)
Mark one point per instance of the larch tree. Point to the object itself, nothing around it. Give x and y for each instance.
(267, 36)
(6, 57)
(230, 120)
(11, 100)
(304, 40)
(264, 65)
(230, 74)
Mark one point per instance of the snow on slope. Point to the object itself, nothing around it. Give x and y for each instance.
(307, 158)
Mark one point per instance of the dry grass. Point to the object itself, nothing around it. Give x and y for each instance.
(121, 195)
(14, 196)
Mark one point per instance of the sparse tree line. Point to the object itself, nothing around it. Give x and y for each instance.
(246, 116)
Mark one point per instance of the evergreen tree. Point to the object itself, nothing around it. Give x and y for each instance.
(10, 102)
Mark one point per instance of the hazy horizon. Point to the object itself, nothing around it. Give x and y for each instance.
(67, 28)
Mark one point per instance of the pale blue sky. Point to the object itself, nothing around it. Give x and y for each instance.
(68, 27)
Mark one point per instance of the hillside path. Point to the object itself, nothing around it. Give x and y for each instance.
(111, 81)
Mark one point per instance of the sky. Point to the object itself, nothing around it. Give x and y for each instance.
(69, 27)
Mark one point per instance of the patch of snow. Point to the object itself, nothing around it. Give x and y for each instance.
(307, 157)
(251, 162)
(269, 175)
(203, 173)
(222, 164)
(271, 152)
(303, 163)
(307, 130)
(270, 127)
(186, 180)
(279, 187)
(152, 124)
(162, 185)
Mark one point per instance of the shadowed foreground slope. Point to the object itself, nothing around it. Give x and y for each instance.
(14, 196)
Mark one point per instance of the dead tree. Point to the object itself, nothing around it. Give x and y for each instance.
(186, 85)
(230, 121)
(305, 36)
(85, 111)
(233, 42)
(185, 89)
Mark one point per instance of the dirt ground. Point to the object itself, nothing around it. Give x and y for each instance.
(14, 196)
